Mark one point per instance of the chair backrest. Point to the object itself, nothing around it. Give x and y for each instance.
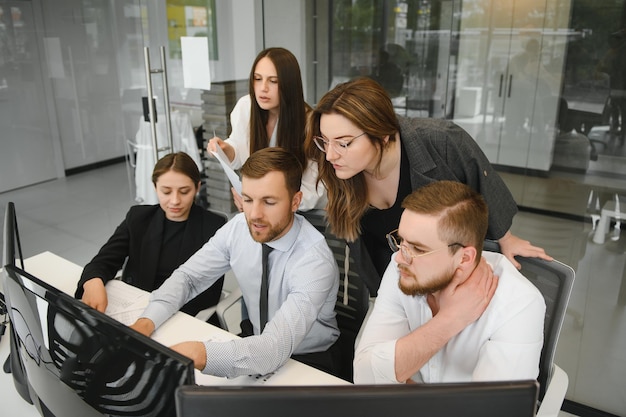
(131, 153)
(352, 297)
(554, 280)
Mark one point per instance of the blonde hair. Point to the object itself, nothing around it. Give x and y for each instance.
(365, 104)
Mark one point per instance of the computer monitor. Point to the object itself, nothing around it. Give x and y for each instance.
(11, 238)
(80, 362)
(12, 251)
(480, 399)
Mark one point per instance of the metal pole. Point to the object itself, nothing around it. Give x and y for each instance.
(166, 96)
(146, 57)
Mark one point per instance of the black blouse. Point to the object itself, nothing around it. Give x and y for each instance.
(170, 247)
(376, 223)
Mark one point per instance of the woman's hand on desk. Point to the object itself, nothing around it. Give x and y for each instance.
(95, 295)
(144, 326)
(194, 351)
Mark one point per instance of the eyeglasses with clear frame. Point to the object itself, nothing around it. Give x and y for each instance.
(340, 146)
(407, 249)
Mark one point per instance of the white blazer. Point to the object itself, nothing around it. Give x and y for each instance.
(313, 197)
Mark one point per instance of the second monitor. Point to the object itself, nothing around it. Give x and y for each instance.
(476, 399)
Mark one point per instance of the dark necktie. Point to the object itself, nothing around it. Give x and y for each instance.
(264, 285)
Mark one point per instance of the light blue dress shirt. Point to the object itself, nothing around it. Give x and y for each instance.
(303, 284)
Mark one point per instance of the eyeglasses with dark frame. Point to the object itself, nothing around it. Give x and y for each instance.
(407, 249)
(340, 146)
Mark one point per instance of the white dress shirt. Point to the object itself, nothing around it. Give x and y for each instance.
(303, 284)
(503, 344)
(313, 195)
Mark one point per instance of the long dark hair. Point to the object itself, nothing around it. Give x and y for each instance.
(292, 111)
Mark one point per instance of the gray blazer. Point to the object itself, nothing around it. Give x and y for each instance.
(441, 150)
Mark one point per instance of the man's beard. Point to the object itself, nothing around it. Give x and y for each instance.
(415, 288)
(272, 232)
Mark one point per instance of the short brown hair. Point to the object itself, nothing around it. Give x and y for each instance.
(463, 213)
(177, 162)
(272, 159)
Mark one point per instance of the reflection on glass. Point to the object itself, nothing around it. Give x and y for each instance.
(191, 18)
(498, 69)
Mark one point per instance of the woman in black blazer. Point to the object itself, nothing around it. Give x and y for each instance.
(155, 239)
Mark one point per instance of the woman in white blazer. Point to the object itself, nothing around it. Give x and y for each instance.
(272, 114)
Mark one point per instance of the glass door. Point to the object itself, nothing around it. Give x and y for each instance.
(511, 57)
(28, 149)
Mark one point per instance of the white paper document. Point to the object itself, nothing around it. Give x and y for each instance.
(230, 173)
(196, 63)
(126, 302)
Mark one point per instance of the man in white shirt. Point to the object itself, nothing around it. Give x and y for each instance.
(303, 278)
(431, 322)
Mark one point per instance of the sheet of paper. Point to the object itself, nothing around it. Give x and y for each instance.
(126, 302)
(230, 173)
(196, 63)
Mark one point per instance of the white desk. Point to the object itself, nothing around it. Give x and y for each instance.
(64, 275)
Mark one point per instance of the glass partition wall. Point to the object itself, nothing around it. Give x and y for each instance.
(539, 84)
(530, 80)
(30, 150)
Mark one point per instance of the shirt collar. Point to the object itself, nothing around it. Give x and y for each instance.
(289, 239)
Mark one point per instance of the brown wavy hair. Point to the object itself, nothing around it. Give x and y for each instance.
(292, 111)
(367, 105)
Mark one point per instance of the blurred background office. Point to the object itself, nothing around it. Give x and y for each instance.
(535, 82)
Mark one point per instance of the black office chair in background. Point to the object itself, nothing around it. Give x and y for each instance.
(352, 297)
(554, 280)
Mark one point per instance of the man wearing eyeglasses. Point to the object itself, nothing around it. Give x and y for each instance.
(435, 321)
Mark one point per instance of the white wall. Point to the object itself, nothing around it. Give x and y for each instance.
(285, 26)
(242, 34)
(238, 39)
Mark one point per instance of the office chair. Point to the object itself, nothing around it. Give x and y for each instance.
(352, 298)
(131, 165)
(554, 280)
(233, 298)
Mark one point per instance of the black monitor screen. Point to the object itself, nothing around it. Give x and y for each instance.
(11, 238)
(80, 362)
(480, 399)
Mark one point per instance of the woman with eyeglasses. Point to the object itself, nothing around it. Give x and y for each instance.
(370, 159)
(272, 114)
